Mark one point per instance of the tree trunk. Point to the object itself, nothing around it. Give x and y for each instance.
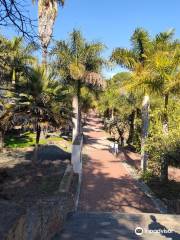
(164, 162)
(165, 123)
(131, 130)
(46, 19)
(38, 133)
(44, 56)
(144, 134)
(112, 114)
(36, 149)
(164, 170)
(76, 119)
(1, 140)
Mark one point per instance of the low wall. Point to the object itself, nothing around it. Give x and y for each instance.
(40, 221)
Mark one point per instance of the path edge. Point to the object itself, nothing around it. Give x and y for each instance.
(161, 207)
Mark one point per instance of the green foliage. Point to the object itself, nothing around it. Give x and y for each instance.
(147, 176)
(76, 57)
(137, 134)
(26, 139)
(161, 145)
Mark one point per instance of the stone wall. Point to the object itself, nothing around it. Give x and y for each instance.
(41, 220)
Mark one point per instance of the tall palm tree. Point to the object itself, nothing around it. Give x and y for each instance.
(78, 63)
(154, 65)
(47, 13)
(164, 65)
(136, 60)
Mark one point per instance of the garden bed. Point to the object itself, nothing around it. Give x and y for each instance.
(30, 190)
(27, 182)
(168, 192)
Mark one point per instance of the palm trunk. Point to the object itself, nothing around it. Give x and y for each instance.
(164, 162)
(44, 56)
(164, 170)
(112, 114)
(131, 130)
(145, 127)
(1, 140)
(38, 133)
(165, 123)
(76, 119)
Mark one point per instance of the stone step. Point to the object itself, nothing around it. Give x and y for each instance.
(120, 226)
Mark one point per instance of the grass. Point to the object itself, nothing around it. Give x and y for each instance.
(27, 140)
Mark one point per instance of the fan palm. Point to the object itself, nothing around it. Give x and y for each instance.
(47, 13)
(78, 63)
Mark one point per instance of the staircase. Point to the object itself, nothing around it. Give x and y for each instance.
(120, 226)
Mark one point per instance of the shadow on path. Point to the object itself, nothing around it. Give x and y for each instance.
(164, 231)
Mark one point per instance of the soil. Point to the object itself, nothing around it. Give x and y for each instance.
(24, 182)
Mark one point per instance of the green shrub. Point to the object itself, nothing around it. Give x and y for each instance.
(147, 176)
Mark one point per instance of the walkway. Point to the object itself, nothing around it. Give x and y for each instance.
(107, 185)
(119, 226)
(111, 203)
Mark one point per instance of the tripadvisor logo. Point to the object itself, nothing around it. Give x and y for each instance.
(139, 231)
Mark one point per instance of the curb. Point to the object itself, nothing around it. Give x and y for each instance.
(66, 180)
(144, 187)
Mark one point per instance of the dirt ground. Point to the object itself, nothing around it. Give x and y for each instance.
(22, 181)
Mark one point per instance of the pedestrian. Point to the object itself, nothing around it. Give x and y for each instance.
(116, 148)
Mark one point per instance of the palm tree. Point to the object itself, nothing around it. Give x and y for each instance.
(39, 98)
(5, 123)
(154, 65)
(21, 57)
(15, 58)
(78, 63)
(164, 64)
(47, 13)
(136, 60)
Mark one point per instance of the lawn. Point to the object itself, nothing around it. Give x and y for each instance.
(27, 140)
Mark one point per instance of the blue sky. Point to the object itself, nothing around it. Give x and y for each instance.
(113, 21)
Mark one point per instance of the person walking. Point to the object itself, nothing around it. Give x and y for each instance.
(116, 148)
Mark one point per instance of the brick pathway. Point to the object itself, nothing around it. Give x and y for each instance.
(106, 184)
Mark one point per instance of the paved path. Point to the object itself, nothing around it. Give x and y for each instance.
(111, 226)
(111, 203)
(106, 184)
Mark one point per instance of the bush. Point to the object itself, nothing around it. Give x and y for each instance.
(147, 176)
(165, 147)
